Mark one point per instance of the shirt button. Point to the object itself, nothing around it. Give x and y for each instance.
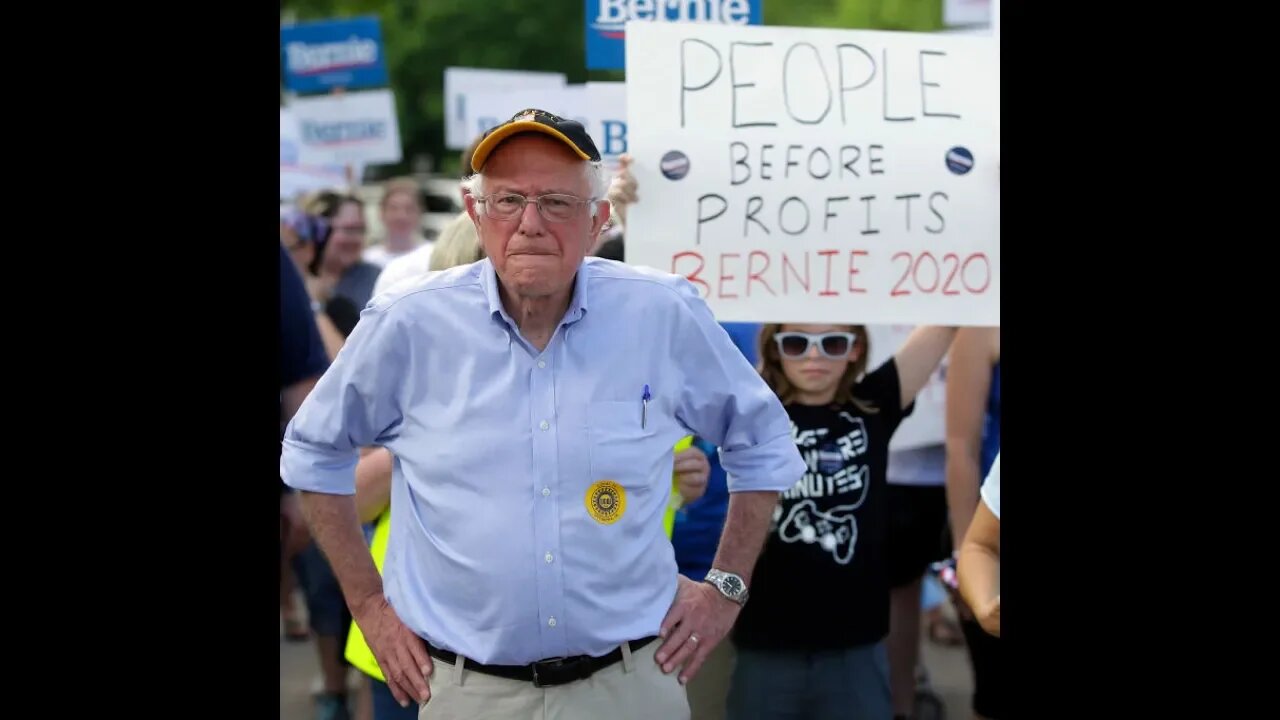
(546, 491)
(542, 363)
(549, 557)
(551, 622)
(544, 424)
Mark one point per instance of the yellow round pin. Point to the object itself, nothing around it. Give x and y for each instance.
(606, 501)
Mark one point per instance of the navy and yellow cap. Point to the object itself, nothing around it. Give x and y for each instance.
(569, 132)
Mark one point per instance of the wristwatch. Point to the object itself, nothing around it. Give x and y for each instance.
(729, 584)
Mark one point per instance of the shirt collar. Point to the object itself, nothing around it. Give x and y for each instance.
(577, 304)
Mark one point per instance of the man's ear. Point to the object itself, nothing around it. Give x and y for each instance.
(471, 207)
(602, 217)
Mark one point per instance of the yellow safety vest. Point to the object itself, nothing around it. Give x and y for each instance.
(358, 652)
(674, 503)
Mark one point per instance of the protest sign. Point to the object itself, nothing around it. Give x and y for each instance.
(798, 174)
(459, 82)
(599, 106)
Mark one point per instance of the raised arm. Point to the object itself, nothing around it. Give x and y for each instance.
(622, 190)
(919, 356)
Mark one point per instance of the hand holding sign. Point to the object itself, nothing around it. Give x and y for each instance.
(622, 190)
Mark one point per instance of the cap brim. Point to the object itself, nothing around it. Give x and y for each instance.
(493, 139)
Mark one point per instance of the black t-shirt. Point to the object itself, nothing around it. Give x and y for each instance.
(822, 579)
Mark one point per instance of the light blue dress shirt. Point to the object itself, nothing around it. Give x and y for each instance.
(493, 553)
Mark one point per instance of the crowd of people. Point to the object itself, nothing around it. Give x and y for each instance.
(521, 478)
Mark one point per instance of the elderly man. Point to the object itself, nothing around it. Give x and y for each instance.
(531, 401)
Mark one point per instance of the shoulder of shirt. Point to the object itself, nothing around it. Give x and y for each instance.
(415, 287)
(610, 275)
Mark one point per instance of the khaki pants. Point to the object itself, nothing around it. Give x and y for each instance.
(633, 688)
(709, 689)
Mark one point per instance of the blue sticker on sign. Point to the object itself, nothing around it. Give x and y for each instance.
(320, 56)
(959, 160)
(674, 165)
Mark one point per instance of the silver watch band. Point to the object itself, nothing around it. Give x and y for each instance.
(731, 585)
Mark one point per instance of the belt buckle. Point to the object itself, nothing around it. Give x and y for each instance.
(537, 681)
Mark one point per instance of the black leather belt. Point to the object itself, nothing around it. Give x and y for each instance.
(545, 673)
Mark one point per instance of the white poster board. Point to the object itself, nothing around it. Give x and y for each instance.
(815, 175)
(599, 106)
(350, 128)
(459, 82)
(606, 114)
(300, 170)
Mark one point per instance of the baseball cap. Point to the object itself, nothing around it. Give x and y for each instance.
(569, 132)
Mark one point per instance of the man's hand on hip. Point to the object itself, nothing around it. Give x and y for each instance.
(401, 654)
(698, 620)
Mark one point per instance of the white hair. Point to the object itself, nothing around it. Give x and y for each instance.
(595, 176)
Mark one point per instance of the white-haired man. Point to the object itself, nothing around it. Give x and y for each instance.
(531, 401)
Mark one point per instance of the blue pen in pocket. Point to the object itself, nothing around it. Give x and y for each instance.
(644, 408)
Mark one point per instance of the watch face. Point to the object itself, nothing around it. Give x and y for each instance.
(731, 585)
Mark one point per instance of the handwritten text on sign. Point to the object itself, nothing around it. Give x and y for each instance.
(818, 175)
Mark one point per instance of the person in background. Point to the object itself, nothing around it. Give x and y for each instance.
(401, 213)
(338, 268)
(810, 642)
(973, 441)
(302, 363)
(978, 568)
(305, 236)
(457, 245)
(917, 522)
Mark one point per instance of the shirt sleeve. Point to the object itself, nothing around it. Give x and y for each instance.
(727, 402)
(302, 353)
(882, 388)
(355, 404)
(991, 488)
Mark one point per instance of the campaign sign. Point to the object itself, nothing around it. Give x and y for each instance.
(319, 56)
(607, 19)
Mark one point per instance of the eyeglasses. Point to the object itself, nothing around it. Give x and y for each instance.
(553, 207)
(834, 345)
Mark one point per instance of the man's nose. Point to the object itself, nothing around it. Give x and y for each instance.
(531, 221)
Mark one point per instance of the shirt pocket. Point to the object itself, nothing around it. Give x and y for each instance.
(625, 447)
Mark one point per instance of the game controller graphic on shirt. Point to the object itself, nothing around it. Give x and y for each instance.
(835, 531)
